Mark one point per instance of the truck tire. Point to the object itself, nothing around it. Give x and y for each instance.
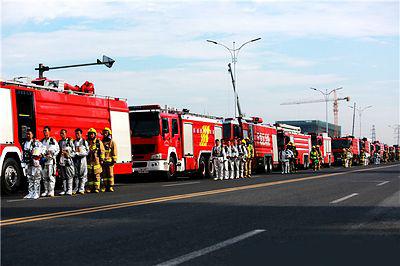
(11, 176)
(202, 171)
(171, 173)
(267, 165)
(210, 168)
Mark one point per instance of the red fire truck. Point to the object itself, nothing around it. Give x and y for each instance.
(287, 133)
(365, 144)
(264, 138)
(349, 142)
(325, 146)
(27, 104)
(168, 141)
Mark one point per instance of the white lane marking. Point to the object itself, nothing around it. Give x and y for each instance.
(209, 249)
(345, 198)
(181, 184)
(383, 183)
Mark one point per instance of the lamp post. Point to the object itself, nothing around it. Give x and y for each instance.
(326, 98)
(360, 111)
(234, 54)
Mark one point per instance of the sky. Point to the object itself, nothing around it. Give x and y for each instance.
(162, 55)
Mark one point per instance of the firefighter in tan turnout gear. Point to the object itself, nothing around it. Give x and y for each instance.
(65, 163)
(110, 158)
(94, 161)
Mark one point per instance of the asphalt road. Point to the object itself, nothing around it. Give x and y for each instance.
(333, 217)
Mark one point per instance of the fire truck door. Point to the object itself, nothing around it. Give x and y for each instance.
(176, 137)
(187, 139)
(25, 113)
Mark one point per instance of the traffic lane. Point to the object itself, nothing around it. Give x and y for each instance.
(131, 193)
(175, 228)
(16, 206)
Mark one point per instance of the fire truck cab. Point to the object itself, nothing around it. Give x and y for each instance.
(325, 146)
(29, 106)
(288, 133)
(263, 137)
(169, 141)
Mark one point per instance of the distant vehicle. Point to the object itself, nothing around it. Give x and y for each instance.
(170, 141)
(325, 144)
(348, 142)
(33, 104)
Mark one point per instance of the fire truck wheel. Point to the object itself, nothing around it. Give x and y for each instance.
(202, 172)
(171, 173)
(210, 168)
(11, 176)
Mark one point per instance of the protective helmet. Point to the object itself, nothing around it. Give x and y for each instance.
(317, 146)
(244, 141)
(290, 143)
(92, 130)
(36, 152)
(107, 129)
(313, 147)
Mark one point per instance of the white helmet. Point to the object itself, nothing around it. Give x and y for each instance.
(36, 152)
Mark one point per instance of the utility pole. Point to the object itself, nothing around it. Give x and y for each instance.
(234, 54)
(360, 111)
(326, 98)
(354, 118)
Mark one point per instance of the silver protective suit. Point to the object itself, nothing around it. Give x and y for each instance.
(81, 151)
(66, 165)
(32, 169)
(50, 150)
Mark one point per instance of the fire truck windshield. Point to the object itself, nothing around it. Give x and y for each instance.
(145, 124)
(341, 143)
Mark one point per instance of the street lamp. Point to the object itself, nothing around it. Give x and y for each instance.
(234, 54)
(360, 111)
(326, 98)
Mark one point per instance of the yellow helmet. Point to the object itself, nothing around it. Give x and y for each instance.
(290, 143)
(244, 141)
(107, 129)
(313, 147)
(92, 130)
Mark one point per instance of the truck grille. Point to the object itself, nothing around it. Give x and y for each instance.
(139, 164)
(143, 148)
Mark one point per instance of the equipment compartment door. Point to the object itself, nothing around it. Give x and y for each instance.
(187, 139)
(25, 113)
(6, 117)
(121, 134)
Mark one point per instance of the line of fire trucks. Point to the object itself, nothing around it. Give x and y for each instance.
(150, 138)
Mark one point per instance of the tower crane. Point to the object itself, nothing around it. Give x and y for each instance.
(335, 101)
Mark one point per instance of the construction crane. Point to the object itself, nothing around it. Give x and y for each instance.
(335, 100)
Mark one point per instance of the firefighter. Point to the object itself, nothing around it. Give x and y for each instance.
(314, 156)
(242, 158)
(349, 158)
(217, 157)
(94, 161)
(65, 162)
(110, 158)
(362, 157)
(81, 151)
(398, 153)
(250, 157)
(234, 173)
(320, 159)
(344, 158)
(227, 160)
(283, 157)
(51, 150)
(32, 151)
(292, 157)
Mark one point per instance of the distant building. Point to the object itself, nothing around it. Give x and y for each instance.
(314, 126)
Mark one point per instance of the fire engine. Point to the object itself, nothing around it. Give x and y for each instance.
(365, 144)
(325, 146)
(33, 104)
(264, 138)
(379, 148)
(287, 133)
(349, 142)
(170, 141)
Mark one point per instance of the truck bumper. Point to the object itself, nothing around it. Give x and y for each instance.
(144, 167)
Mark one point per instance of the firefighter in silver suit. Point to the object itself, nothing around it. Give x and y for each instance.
(81, 151)
(51, 150)
(217, 156)
(65, 163)
(32, 152)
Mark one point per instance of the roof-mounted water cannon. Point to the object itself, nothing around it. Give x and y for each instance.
(107, 61)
